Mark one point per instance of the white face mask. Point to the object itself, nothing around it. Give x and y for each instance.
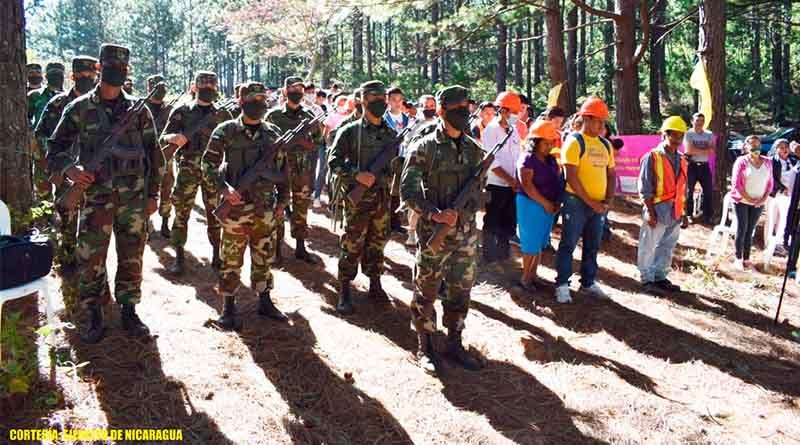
(512, 119)
(310, 98)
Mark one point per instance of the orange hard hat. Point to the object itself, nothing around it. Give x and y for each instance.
(543, 130)
(509, 100)
(594, 107)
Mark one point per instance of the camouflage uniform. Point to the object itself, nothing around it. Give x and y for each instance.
(366, 227)
(300, 167)
(190, 176)
(37, 100)
(254, 222)
(161, 112)
(68, 220)
(117, 199)
(434, 172)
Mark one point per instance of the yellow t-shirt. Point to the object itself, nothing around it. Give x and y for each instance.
(592, 165)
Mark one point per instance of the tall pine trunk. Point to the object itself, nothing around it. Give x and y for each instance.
(572, 57)
(626, 75)
(538, 53)
(519, 78)
(711, 46)
(501, 73)
(435, 56)
(608, 56)
(657, 61)
(358, 45)
(15, 160)
(581, 82)
(557, 65)
(755, 51)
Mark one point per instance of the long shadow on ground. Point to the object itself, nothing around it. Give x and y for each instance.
(325, 407)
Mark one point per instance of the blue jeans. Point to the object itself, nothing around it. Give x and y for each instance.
(579, 220)
(656, 245)
(322, 170)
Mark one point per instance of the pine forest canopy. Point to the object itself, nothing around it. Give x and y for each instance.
(421, 45)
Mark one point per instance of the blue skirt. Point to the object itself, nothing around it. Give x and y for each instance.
(535, 225)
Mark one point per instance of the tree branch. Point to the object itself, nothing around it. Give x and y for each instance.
(645, 20)
(598, 12)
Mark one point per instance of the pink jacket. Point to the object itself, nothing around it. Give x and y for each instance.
(739, 176)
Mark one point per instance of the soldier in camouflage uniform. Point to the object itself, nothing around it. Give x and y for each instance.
(366, 227)
(437, 167)
(34, 76)
(240, 143)
(119, 198)
(161, 112)
(190, 176)
(84, 78)
(300, 167)
(37, 99)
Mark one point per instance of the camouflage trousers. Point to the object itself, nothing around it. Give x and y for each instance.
(366, 230)
(41, 184)
(301, 186)
(247, 226)
(190, 178)
(120, 209)
(167, 182)
(456, 264)
(67, 229)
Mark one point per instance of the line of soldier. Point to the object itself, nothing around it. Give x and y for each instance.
(214, 148)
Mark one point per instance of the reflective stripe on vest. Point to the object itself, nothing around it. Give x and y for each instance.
(667, 187)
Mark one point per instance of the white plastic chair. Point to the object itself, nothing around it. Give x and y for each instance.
(33, 287)
(725, 231)
(777, 209)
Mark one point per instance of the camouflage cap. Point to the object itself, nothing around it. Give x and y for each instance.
(55, 67)
(110, 52)
(452, 94)
(83, 63)
(373, 87)
(153, 80)
(252, 89)
(205, 77)
(293, 80)
(34, 68)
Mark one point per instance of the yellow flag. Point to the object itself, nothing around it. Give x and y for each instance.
(552, 97)
(699, 81)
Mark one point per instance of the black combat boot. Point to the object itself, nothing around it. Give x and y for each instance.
(376, 291)
(302, 254)
(177, 266)
(278, 259)
(456, 351)
(216, 262)
(165, 232)
(132, 323)
(267, 308)
(92, 330)
(426, 356)
(228, 320)
(345, 305)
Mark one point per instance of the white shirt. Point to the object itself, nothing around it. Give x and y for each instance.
(755, 180)
(506, 157)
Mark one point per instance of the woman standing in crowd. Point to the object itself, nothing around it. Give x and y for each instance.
(537, 199)
(752, 184)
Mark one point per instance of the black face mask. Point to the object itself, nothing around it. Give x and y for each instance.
(35, 80)
(160, 93)
(294, 96)
(206, 94)
(377, 108)
(84, 84)
(254, 110)
(428, 113)
(55, 80)
(113, 76)
(458, 118)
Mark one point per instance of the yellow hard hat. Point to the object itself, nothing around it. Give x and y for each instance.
(674, 123)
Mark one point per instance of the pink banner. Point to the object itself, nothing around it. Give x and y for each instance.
(629, 158)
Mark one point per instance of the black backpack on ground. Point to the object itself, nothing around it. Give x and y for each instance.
(24, 259)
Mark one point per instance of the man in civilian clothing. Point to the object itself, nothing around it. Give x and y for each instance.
(662, 180)
(699, 144)
(500, 220)
(784, 172)
(397, 120)
(589, 164)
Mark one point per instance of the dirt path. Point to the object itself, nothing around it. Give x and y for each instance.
(703, 366)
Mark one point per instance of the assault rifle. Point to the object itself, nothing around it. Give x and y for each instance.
(378, 164)
(170, 149)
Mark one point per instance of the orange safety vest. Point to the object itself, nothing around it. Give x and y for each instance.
(668, 188)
